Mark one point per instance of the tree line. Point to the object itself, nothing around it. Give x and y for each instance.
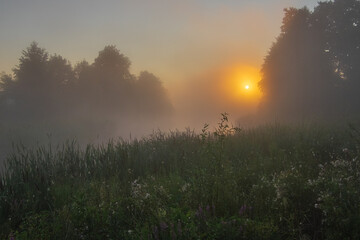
(47, 91)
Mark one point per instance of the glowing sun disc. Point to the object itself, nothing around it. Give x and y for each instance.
(247, 87)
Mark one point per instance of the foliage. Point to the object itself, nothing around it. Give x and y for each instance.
(270, 182)
(312, 70)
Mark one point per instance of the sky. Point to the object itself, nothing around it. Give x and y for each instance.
(173, 39)
(190, 45)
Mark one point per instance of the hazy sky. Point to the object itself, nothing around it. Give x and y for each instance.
(173, 39)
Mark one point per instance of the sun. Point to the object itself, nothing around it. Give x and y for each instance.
(241, 83)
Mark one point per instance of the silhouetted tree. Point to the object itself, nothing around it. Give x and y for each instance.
(48, 91)
(31, 71)
(29, 86)
(111, 63)
(153, 96)
(107, 83)
(308, 67)
(7, 88)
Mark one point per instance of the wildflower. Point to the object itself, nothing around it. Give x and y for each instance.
(242, 210)
(11, 237)
(199, 212)
(208, 209)
(184, 187)
(163, 226)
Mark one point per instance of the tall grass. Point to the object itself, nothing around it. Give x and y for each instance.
(269, 182)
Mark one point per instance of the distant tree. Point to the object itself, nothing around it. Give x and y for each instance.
(48, 91)
(82, 70)
(153, 96)
(40, 88)
(108, 83)
(60, 72)
(6, 83)
(28, 88)
(7, 86)
(31, 71)
(112, 64)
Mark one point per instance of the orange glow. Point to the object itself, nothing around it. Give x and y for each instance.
(241, 84)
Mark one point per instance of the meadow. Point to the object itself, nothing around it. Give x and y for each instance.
(274, 181)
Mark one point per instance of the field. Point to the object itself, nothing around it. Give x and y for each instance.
(270, 182)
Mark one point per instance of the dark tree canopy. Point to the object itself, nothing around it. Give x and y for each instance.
(111, 61)
(313, 69)
(147, 85)
(45, 90)
(32, 65)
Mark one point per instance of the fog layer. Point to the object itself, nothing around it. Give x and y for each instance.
(311, 72)
(46, 99)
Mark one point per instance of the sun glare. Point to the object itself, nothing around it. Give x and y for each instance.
(242, 83)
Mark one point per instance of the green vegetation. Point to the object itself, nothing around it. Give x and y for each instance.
(270, 182)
